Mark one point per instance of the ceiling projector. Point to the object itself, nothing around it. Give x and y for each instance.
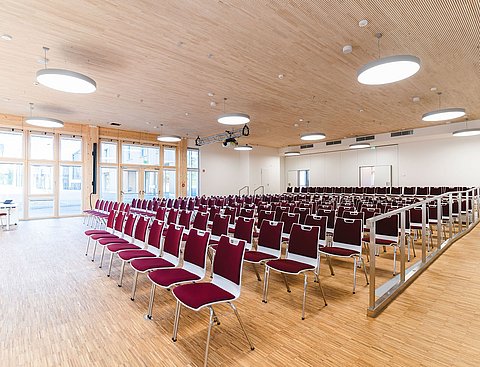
(230, 142)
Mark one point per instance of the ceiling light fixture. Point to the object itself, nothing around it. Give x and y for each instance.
(233, 118)
(359, 145)
(6, 37)
(243, 147)
(388, 69)
(444, 113)
(43, 121)
(65, 80)
(312, 136)
(467, 131)
(291, 154)
(169, 138)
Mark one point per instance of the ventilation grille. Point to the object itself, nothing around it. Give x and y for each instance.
(306, 146)
(401, 133)
(365, 138)
(334, 142)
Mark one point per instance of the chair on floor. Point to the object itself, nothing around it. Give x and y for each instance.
(116, 237)
(301, 257)
(347, 243)
(262, 215)
(288, 220)
(219, 227)
(193, 268)
(199, 222)
(169, 255)
(269, 245)
(225, 287)
(109, 229)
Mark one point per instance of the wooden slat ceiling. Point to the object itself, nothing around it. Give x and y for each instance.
(155, 61)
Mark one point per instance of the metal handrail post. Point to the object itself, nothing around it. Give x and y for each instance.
(450, 215)
(424, 232)
(439, 222)
(402, 247)
(372, 226)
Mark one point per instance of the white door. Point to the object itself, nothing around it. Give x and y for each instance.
(292, 178)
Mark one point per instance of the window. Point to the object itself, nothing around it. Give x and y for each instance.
(108, 183)
(11, 144)
(169, 157)
(70, 149)
(169, 184)
(304, 178)
(41, 147)
(41, 179)
(70, 192)
(40, 207)
(192, 172)
(108, 152)
(11, 184)
(140, 154)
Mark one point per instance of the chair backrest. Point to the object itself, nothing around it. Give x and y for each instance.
(200, 221)
(330, 214)
(244, 230)
(318, 221)
(303, 244)
(115, 206)
(288, 220)
(191, 204)
(155, 234)
(160, 215)
(270, 237)
(354, 215)
(150, 205)
(129, 226)
(109, 207)
(195, 253)
(279, 210)
(247, 213)
(231, 211)
(347, 234)
(140, 230)
(303, 211)
(220, 224)
(214, 210)
(264, 215)
(172, 216)
(97, 203)
(119, 219)
(111, 219)
(171, 243)
(184, 218)
(387, 228)
(227, 265)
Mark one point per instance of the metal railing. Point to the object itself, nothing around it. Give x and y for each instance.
(247, 188)
(466, 217)
(258, 188)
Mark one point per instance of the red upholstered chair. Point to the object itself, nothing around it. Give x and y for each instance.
(288, 220)
(303, 213)
(225, 287)
(115, 237)
(321, 222)
(247, 213)
(263, 215)
(160, 215)
(169, 255)
(134, 232)
(108, 230)
(279, 211)
(330, 214)
(199, 222)
(172, 216)
(184, 218)
(89, 213)
(152, 249)
(301, 257)
(219, 227)
(213, 211)
(269, 245)
(347, 243)
(243, 231)
(193, 269)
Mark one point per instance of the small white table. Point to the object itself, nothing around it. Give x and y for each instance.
(9, 208)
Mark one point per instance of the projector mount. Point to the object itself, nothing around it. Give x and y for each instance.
(227, 137)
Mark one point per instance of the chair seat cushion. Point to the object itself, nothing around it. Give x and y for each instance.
(115, 247)
(167, 277)
(150, 263)
(198, 295)
(109, 240)
(337, 251)
(289, 266)
(96, 237)
(379, 241)
(257, 256)
(91, 232)
(133, 254)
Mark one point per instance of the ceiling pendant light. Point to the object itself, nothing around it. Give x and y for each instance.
(243, 147)
(65, 80)
(291, 154)
(166, 138)
(359, 145)
(312, 136)
(43, 121)
(233, 118)
(467, 131)
(443, 114)
(388, 69)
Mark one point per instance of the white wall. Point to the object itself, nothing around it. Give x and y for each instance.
(224, 171)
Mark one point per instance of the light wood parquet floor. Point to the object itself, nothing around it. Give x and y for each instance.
(57, 308)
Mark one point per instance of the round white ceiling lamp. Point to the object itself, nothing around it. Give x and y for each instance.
(388, 69)
(443, 114)
(43, 121)
(233, 118)
(65, 80)
(312, 136)
(243, 147)
(291, 154)
(466, 132)
(169, 138)
(359, 145)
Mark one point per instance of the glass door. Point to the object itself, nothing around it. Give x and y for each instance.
(130, 185)
(150, 184)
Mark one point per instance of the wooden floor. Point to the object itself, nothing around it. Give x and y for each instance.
(57, 308)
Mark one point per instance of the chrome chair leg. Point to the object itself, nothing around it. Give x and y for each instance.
(304, 295)
(88, 245)
(256, 272)
(286, 282)
(94, 250)
(101, 257)
(364, 270)
(110, 264)
(177, 320)
(122, 270)
(241, 325)
(134, 285)
(265, 284)
(329, 260)
(150, 303)
(321, 289)
(208, 336)
(354, 274)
